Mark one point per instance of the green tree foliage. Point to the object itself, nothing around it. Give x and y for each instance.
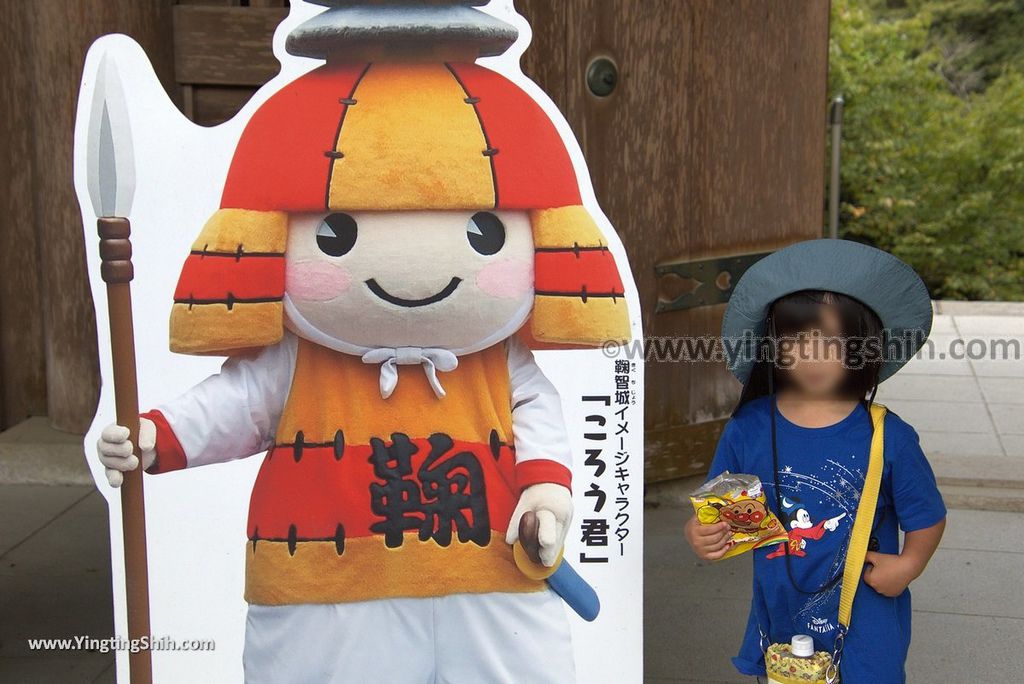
(933, 149)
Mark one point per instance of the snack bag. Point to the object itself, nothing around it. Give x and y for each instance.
(796, 663)
(738, 500)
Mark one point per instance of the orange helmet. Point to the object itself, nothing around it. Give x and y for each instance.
(387, 136)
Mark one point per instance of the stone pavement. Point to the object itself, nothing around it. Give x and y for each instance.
(54, 581)
(969, 412)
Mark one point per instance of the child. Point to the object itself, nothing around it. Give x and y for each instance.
(830, 309)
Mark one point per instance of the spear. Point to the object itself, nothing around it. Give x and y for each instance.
(111, 175)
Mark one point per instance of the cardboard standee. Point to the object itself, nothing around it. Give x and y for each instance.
(194, 519)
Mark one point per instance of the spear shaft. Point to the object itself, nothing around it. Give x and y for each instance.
(117, 272)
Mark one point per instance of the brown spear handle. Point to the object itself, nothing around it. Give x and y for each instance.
(117, 272)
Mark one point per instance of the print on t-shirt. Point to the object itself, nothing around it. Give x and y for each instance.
(818, 511)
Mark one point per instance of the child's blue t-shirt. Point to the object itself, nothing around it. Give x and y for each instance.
(821, 475)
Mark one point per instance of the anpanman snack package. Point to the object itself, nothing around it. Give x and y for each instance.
(738, 500)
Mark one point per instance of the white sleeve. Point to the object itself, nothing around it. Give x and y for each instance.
(537, 423)
(234, 413)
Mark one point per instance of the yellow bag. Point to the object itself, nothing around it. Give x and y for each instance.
(738, 500)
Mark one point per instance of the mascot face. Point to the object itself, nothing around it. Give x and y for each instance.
(449, 279)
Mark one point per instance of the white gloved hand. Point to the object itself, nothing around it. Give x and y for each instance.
(115, 450)
(832, 524)
(552, 504)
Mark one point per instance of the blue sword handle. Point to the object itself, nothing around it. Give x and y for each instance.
(575, 591)
(564, 581)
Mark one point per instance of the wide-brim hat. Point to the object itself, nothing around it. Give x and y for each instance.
(877, 279)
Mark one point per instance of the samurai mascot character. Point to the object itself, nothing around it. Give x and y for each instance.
(397, 230)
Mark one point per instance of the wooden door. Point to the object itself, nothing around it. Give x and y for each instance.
(48, 361)
(711, 144)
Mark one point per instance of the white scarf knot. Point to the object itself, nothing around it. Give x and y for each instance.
(432, 360)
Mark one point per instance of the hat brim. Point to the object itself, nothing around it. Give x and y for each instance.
(888, 286)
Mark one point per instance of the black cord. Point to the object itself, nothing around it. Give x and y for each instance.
(770, 325)
(778, 506)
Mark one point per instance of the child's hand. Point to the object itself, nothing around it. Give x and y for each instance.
(889, 574)
(709, 542)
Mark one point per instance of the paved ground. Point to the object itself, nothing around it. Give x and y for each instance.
(54, 550)
(54, 581)
(968, 412)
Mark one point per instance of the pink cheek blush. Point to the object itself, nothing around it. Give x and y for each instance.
(506, 279)
(316, 281)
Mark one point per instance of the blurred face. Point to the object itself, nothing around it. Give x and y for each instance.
(409, 279)
(813, 360)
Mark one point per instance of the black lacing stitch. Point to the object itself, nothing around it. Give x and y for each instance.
(495, 444)
(339, 539)
(339, 445)
(293, 539)
(489, 151)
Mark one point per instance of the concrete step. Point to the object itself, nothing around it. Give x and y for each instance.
(32, 452)
(1008, 498)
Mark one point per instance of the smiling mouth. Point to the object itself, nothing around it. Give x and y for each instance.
(376, 289)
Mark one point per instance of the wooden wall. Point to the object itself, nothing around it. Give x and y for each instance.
(222, 53)
(47, 328)
(711, 144)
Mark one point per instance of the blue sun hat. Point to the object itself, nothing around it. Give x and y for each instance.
(877, 279)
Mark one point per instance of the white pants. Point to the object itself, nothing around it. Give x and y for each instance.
(447, 640)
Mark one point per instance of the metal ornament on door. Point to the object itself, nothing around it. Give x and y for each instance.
(711, 281)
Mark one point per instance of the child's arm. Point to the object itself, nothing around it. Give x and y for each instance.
(890, 574)
(710, 542)
(919, 510)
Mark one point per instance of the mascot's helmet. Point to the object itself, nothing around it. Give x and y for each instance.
(378, 128)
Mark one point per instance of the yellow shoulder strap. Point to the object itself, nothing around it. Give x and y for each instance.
(865, 517)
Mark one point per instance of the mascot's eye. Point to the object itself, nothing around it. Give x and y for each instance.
(336, 235)
(486, 233)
